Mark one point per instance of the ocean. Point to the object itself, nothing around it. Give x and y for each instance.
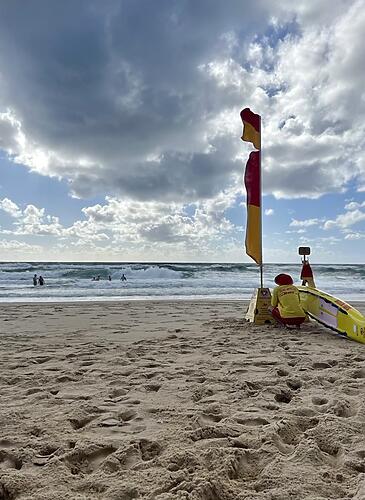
(72, 281)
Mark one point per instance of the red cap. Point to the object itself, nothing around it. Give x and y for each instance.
(283, 279)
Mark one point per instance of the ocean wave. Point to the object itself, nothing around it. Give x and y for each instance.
(163, 279)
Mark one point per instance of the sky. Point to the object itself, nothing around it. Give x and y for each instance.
(120, 129)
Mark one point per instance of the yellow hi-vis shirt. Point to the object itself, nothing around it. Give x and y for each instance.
(286, 297)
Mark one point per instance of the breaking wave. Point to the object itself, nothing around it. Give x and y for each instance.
(73, 280)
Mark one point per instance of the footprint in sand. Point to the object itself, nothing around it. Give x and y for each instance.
(358, 359)
(46, 453)
(82, 416)
(245, 465)
(150, 375)
(87, 460)
(183, 460)
(7, 443)
(152, 387)
(359, 373)
(208, 419)
(127, 457)
(202, 392)
(214, 432)
(117, 392)
(321, 365)
(343, 409)
(319, 401)
(149, 449)
(9, 461)
(284, 396)
(356, 463)
(294, 384)
(127, 415)
(251, 421)
(5, 494)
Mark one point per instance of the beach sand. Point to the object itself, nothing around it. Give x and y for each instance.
(185, 400)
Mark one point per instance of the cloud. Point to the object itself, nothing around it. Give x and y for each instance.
(298, 231)
(346, 220)
(143, 103)
(353, 205)
(157, 222)
(122, 87)
(355, 236)
(304, 223)
(11, 249)
(10, 207)
(34, 221)
(269, 211)
(136, 223)
(30, 221)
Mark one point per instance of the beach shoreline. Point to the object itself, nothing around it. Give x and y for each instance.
(357, 304)
(68, 282)
(181, 399)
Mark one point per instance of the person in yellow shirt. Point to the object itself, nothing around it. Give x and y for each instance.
(285, 302)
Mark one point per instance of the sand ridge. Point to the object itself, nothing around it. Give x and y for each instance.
(163, 400)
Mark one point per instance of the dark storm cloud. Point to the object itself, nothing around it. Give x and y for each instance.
(111, 83)
(176, 177)
(296, 181)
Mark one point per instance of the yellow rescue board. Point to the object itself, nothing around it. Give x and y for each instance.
(333, 313)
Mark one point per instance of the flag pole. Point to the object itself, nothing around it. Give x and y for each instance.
(261, 260)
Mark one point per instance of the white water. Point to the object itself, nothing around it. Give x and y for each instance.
(73, 281)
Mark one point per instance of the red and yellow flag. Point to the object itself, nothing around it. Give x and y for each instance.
(251, 127)
(253, 189)
(307, 274)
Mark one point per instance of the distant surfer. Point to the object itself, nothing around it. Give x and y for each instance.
(109, 278)
(41, 281)
(285, 301)
(35, 280)
(123, 278)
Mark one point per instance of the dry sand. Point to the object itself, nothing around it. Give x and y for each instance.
(164, 400)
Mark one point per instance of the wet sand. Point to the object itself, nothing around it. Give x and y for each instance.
(185, 400)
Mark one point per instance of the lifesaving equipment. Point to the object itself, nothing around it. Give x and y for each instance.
(333, 313)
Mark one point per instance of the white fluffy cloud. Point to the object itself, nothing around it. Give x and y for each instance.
(304, 223)
(10, 207)
(34, 221)
(125, 222)
(14, 249)
(353, 205)
(353, 216)
(152, 222)
(346, 220)
(355, 236)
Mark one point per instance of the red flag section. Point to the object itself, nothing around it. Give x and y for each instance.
(253, 189)
(251, 127)
(306, 271)
(307, 274)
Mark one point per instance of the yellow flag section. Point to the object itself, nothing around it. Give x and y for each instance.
(333, 313)
(253, 204)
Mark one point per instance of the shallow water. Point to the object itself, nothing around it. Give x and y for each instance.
(73, 281)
